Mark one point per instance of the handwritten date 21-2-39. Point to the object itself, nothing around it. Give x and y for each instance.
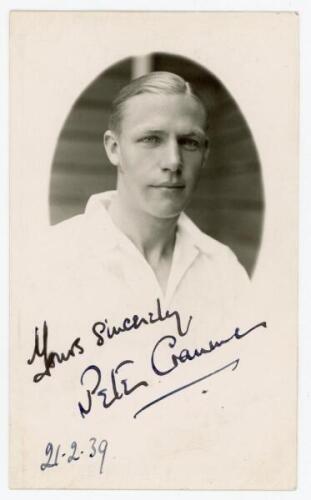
(58, 455)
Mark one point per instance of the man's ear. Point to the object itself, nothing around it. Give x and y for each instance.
(112, 147)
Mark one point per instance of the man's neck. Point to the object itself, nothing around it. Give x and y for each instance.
(153, 237)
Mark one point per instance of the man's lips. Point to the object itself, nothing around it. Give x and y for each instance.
(169, 185)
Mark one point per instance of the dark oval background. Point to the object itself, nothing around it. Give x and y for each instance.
(228, 203)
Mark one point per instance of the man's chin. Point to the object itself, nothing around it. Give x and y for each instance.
(166, 213)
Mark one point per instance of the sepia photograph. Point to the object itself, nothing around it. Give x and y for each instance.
(154, 310)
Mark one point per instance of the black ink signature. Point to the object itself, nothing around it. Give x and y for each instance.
(234, 364)
(135, 322)
(187, 355)
(51, 358)
(118, 388)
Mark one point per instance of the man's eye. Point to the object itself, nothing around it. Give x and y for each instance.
(189, 143)
(150, 139)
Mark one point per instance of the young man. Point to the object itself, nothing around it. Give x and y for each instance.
(134, 248)
(158, 143)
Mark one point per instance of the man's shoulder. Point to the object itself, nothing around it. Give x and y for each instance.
(63, 237)
(84, 228)
(60, 247)
(214, 248)
(67, 229)
(223, 257)
(214, 252)
(208, 245)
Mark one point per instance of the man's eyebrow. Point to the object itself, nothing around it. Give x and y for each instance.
(189, 133)
(150, 131)
(199, 132)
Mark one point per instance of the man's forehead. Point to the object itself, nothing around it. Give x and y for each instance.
(153, 110)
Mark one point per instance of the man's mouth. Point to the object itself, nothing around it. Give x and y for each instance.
(169, 185)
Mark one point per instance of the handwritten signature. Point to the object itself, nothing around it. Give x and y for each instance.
(176, 360)
(116, 388)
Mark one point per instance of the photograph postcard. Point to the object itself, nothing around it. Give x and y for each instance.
(153, 250)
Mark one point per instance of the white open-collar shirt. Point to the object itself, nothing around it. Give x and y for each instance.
(201, 266)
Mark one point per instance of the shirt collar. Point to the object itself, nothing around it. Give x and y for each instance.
(97, 217)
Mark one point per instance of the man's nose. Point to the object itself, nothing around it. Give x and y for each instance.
(172, 160)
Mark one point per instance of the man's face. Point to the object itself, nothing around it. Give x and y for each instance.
(159, 152)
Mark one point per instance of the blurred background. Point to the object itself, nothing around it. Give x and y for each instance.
(228, 203)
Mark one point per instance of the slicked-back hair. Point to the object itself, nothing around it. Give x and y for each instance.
(157, 82)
